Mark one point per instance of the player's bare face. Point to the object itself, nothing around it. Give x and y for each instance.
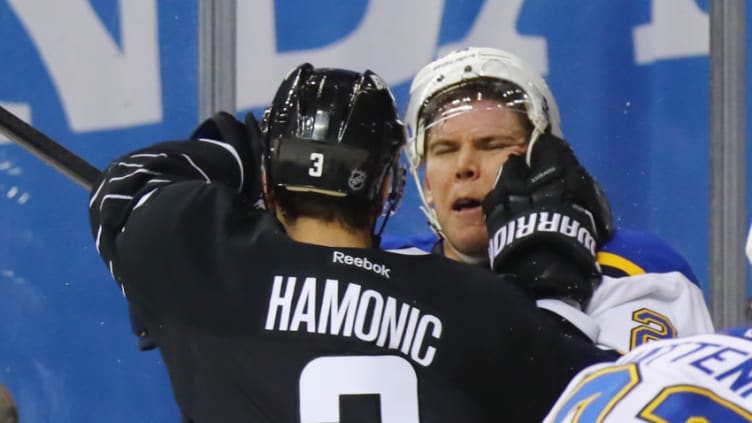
(463, 156)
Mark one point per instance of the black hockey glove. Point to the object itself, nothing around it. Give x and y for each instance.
(224, 127)
(546, 219)
(129, 181)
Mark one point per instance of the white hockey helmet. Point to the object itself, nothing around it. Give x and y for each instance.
(467, 65)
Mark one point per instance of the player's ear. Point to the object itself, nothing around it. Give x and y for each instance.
(427, 191)
(271, 204)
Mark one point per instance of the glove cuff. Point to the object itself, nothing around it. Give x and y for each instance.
(552, 250)
(567, 225)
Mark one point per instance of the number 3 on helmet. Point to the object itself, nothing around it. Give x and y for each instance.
(333, 132)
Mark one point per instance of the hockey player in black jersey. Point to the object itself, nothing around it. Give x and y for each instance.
(293, 314)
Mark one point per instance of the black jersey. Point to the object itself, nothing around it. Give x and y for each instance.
(254, 327)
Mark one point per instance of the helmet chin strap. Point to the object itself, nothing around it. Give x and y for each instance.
(533, 138)
(396, 190)
(391, 206)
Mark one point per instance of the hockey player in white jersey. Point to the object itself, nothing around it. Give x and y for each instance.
(702, 378)
(471, 110)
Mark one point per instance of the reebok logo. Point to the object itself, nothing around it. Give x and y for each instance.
(362, 262)
(524, 226)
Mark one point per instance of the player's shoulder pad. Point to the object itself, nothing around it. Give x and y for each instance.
(630, 252)
(423, 241)
(221, 126)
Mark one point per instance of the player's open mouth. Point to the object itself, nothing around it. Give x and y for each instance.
(465, 204)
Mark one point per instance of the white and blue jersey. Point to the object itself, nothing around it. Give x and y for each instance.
(703, 378)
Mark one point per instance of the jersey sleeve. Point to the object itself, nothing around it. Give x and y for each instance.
(162, 216)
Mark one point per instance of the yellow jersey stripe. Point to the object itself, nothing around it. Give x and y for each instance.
(619, 262)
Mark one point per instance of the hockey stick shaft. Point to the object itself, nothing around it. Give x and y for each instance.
(48, 150)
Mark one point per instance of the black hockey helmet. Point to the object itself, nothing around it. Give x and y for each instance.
(333, 132)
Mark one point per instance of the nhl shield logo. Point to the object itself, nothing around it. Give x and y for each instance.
(357, 180)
